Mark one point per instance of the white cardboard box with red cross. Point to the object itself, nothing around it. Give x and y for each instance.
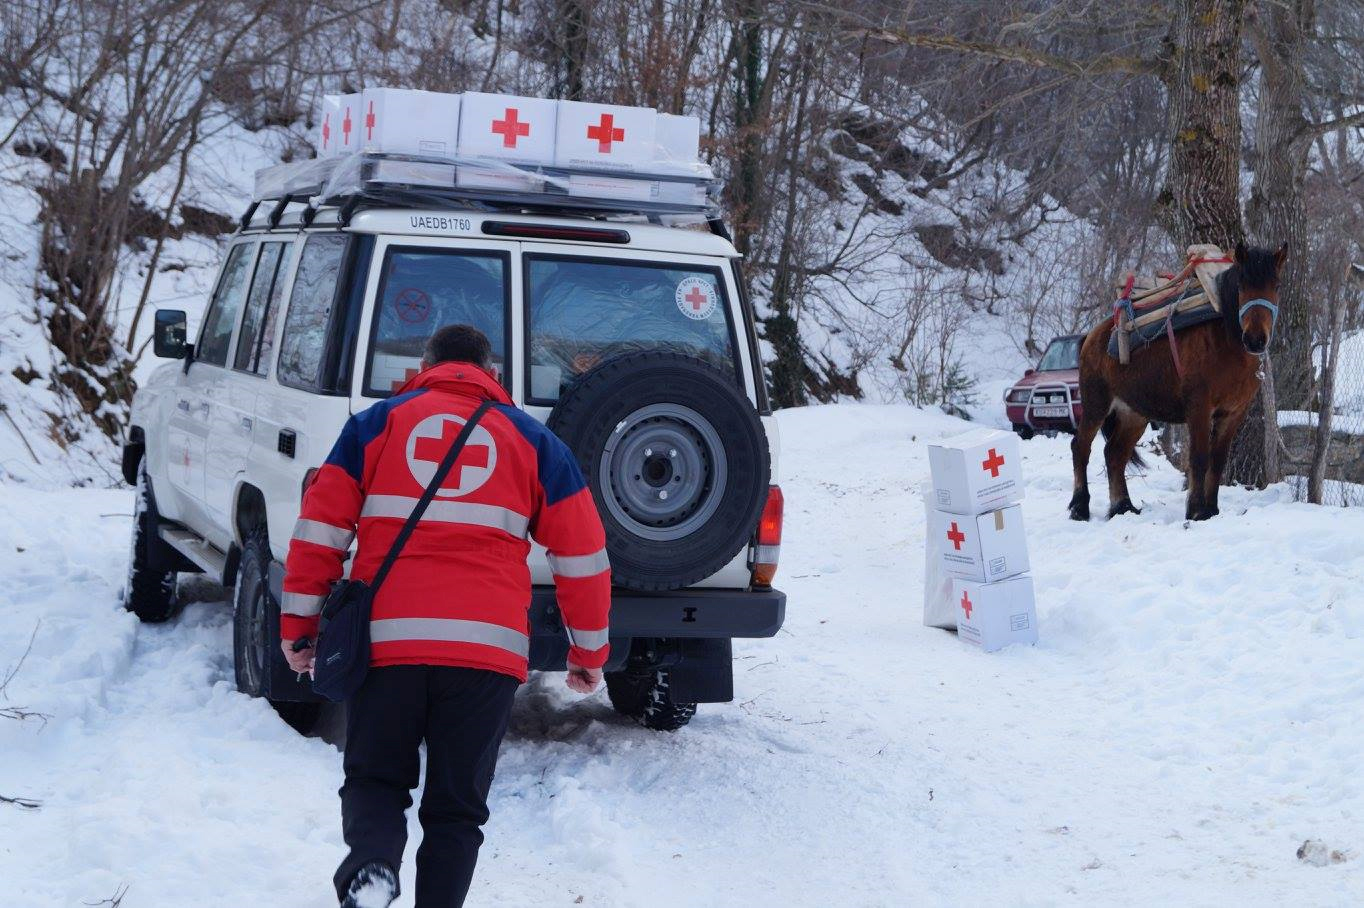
(407, 121)
(605, 136)
(338, 129)
(995, 615)
(984, 547)
(507, 128)
(976, 471)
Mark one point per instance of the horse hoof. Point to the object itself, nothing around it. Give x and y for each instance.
(1123, 507)
(1080, 513)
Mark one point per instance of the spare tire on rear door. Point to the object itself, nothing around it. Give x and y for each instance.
(677, 461)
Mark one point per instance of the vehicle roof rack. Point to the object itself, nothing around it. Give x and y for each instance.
(359, 181)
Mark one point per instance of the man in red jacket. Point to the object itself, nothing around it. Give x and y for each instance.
(449, 633)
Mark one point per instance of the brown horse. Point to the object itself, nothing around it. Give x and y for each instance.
(1221, 361)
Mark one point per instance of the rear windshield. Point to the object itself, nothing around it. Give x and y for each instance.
(582, 311)
(1064, 353)
(425, 289)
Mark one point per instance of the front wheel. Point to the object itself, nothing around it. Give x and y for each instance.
(150, 592)
(1024, 432)
(255, 632)
(646, 697)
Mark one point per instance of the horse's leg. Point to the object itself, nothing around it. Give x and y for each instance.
(1097, 402)
(1223, 434)
(1199, 415)
(1127, 429)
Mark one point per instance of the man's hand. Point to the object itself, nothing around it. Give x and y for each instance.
(301, 661)
(583, 680)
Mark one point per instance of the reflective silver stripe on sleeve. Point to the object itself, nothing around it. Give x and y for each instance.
(303, 604)
(483, 515)
(591, 640)
(449, 630)
(579, 565)
(323, 534)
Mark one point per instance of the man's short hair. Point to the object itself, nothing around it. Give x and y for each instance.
(459, 344)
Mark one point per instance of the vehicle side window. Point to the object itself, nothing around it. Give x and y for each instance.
(216, 336)
(425, 289)
(257, 321)
(583, 311)
(310, 308)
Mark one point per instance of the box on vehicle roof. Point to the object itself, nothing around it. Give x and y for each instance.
(408, 121)
(604, 136)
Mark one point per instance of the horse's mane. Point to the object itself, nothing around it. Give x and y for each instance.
(1259, 270)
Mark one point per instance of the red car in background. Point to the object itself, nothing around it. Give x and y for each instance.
(1047, 399)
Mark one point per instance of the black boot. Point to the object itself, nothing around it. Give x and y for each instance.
(374, 885)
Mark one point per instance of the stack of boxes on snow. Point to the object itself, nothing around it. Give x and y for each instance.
(488, 132)
(978, 572)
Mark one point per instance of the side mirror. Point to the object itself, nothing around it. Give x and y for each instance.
(168, 341)
(1025, 374)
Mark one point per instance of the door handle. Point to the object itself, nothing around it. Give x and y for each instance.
(246, 422)
(182, 405)
(203, 405)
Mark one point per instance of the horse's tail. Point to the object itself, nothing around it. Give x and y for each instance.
(1109, 426)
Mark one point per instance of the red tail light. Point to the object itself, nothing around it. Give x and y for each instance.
(768, 546)
(309, 478)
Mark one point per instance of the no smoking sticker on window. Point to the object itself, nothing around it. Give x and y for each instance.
(412, 305)
(696, 298)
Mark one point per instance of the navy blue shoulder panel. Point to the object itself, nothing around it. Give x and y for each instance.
(349, 451)
(557, 467)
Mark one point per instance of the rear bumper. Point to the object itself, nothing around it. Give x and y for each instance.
(682, 613)
(697, 614)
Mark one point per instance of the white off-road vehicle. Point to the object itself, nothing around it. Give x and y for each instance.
(633, 340)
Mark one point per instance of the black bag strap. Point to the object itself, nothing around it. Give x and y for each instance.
(419, 509)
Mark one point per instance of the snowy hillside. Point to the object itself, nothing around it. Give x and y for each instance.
(1184, 726)
(216, 191)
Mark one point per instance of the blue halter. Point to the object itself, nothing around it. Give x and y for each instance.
(1263, 304)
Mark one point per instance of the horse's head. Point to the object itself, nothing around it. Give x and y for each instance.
(1256, 305)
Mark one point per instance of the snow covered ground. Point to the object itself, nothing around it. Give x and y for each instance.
(1189, 719)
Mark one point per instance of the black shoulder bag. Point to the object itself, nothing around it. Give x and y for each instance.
(342, 658)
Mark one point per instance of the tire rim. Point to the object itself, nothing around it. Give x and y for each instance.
(663, 472)
(253, 647)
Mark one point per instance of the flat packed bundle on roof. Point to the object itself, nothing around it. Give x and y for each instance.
(427, 149)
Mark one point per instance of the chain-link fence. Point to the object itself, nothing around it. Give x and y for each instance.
(1323, 447)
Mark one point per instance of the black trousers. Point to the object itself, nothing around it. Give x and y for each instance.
(461, 714)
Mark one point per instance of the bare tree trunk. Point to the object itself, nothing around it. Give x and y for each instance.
(1201, 200)
(1275, 214)
(576, 40)
(781, 328)
(1321, 447)
(748, 117)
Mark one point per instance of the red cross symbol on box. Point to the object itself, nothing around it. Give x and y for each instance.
(605, 133)
(345, 126)
(369, 122)
(993, 463)
(697, 297)
(510, 127)
(326, 129)
(966, 604)
(956, 536)
(435, 449)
